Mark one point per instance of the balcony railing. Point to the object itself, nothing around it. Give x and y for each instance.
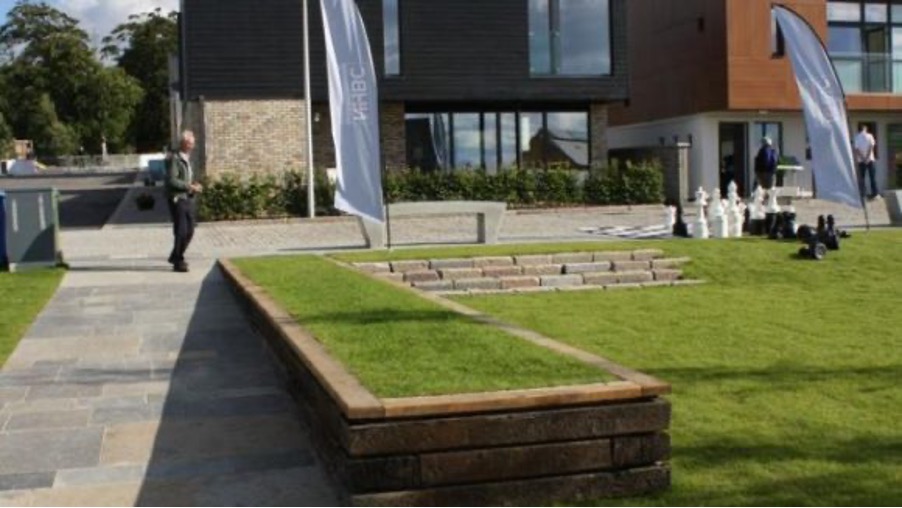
(869, 72)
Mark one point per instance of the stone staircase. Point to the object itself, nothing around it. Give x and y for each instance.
(547, 272)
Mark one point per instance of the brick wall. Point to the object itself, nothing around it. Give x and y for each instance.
(261, 136)
(394, 142)
(598, 129)
(268, 136)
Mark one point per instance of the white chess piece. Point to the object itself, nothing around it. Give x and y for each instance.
(757, 204)
(772, 205)
(701, 223)
(717, 216)
(733, 192)
(669, 217)
(738, 218)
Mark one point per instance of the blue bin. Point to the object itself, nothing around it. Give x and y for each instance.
(157, 169)
(4, 259)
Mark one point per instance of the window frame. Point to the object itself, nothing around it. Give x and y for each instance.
(554, 45)
(485, 112)
(864, 59)
(385, 70)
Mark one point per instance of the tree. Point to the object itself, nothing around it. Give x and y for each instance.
(141, 47)
(6, 138)
(59, 94)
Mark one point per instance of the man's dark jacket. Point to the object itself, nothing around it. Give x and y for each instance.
(178, 183)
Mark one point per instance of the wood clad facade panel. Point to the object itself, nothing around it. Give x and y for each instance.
(678, 61)
(757, 80)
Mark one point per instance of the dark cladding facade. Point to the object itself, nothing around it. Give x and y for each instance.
(463, 83)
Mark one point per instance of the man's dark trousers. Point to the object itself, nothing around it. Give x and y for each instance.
(183, 222)
(867, 169)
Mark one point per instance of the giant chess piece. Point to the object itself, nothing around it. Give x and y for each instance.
(701, 222)
(734, 211)
(680, 229)
(717, 214)
(772, 215)
(670, 213)
(739, 221)
(790, 228)
(831, 235)
(757, 215)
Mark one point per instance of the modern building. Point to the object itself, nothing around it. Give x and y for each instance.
(708, 73)
(462, 83)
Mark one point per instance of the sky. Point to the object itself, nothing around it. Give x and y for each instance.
(99, 17)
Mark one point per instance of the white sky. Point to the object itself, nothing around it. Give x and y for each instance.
(99, 17)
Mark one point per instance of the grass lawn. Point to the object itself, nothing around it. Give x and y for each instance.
(22, 296)
(399, 344)
(786, 373)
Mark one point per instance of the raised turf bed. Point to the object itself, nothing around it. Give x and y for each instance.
(517, 446)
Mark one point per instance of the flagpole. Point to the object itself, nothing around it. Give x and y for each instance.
(308, 103)
(383, 175)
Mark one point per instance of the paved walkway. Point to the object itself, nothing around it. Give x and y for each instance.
(139, 386)
(293, 236)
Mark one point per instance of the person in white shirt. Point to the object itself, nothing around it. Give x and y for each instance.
(865, 146)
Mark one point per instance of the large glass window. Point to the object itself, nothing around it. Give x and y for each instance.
(862, 41)
(497, 139)
(391, 37)
(508, 136)
(428, 143)
(490, 142)
(570, 37)
(568, 139)
(467, 141)
(532, 140)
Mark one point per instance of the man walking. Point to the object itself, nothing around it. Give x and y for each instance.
(180, 191)
(865, 146)
(766, 164)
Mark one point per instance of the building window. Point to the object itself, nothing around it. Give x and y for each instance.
(494, 140)
(865, 44)
(568, 140)
(391, 37)
(569, 37)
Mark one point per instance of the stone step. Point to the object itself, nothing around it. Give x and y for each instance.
(529, 273)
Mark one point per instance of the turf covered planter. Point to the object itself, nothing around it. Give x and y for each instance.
(528, 446)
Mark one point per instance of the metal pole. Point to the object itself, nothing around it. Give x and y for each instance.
(308, 100)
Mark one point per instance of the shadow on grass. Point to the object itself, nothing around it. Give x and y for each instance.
(387, 315)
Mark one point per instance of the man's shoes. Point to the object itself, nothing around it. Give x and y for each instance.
(180, 267)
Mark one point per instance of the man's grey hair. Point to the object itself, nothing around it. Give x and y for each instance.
(186, 135)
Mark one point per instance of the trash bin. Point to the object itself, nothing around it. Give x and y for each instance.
(32, 228)
(157, 169)
(4, 261)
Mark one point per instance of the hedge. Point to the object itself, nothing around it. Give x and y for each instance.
(231, 197)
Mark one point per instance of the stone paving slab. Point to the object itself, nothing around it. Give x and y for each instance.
(142, 386)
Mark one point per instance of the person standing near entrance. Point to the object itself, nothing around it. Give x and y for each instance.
(766, 164)
(180, 191)
(865, 148)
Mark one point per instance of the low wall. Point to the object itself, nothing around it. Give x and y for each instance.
(566, 444)
(674, 163)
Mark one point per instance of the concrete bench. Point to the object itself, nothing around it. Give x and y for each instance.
(893, 201)
(489, 216)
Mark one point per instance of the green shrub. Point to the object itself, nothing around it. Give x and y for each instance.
(231, 197)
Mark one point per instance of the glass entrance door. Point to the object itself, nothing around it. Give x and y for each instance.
(733, 157)
(894, 161)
